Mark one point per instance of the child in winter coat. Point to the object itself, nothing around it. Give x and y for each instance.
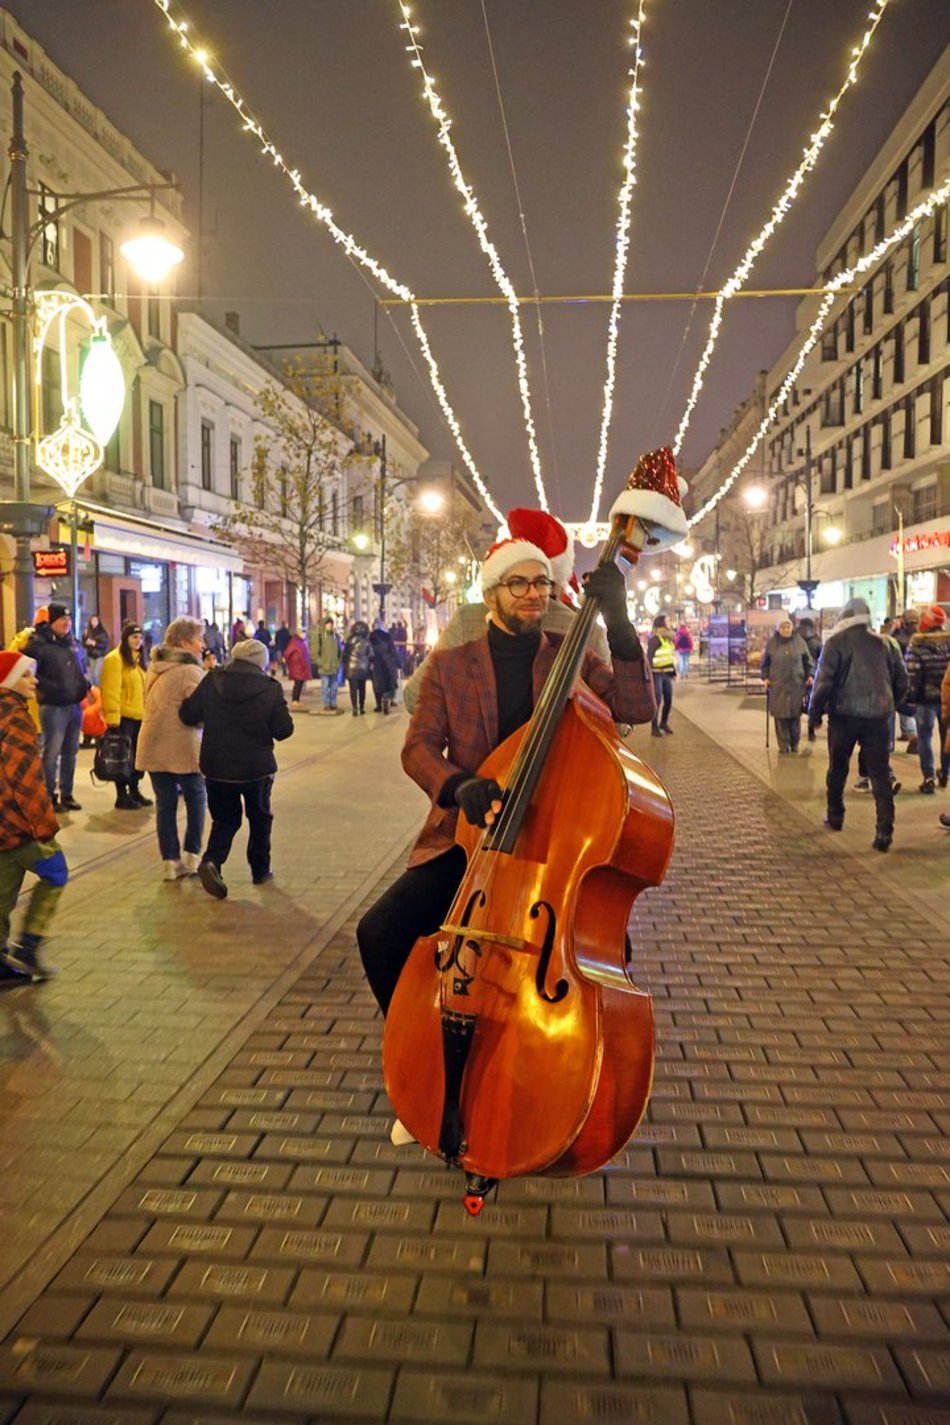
(28, 828)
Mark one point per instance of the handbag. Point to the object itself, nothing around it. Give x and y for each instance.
(113, 759)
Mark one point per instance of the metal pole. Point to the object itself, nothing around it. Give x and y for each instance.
(22, 426)
(808, 512)
(382, 531)
(74, 562)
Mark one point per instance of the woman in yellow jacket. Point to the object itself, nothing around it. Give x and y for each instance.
(122, 684)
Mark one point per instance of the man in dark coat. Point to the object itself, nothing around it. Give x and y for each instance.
(243, 713)
(861, 679)
(61, 686)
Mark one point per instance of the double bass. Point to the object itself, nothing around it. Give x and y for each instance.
(517, 1041)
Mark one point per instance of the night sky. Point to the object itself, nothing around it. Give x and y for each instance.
(330, 82)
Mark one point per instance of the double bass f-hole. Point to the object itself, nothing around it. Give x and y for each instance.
(448, 955)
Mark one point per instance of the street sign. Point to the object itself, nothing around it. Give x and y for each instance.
(51, 563)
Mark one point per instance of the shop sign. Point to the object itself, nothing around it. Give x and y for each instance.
(914, 543)
(51, 563)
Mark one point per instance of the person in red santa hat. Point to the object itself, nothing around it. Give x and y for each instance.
(472, 698)
(928, 659)
(28, 828)
(468, 621)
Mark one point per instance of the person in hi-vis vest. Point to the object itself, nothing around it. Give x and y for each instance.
(661, 655)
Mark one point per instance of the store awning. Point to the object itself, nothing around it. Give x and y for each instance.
(140, 539)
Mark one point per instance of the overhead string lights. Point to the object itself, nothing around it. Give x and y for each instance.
(215, 75)
(924, 209)
(623, 248)
(782, 207)
(475, 216)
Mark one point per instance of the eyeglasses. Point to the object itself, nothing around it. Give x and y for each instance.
(518, 587)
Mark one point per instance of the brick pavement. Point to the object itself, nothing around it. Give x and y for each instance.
(772, 1247)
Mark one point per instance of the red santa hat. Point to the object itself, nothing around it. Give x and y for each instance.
(12, 668)
(654, 494)
(505, 555)
(548, 534)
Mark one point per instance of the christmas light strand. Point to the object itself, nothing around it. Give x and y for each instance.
(475, 216)
(623, 248)
(924, 209)
(782, 207)
(216, 76)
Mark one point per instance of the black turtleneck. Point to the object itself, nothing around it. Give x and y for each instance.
(513, 655)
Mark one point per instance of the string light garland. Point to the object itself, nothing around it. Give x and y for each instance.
(216, 76)
(782, 207)
(475, 216)
(623, 248)
(833, 289)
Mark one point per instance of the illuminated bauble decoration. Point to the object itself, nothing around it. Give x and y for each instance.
(702, 575)
(101, 388)
(587, 535)
(69, 454)
(151, 253)
(651, 601)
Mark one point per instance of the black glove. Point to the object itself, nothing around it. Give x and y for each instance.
(606, 584)
(475, 796)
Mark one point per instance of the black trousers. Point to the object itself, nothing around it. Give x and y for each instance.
(357, 687)
(130, 726)
(414, 905)
(663, 688)
(872, 736)
(224, 804)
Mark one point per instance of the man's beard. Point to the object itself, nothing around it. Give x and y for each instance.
(519, 626)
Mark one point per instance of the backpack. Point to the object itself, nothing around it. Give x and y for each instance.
(113, 759)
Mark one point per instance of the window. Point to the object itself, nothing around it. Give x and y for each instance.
(106, 268)
(112, 460)
(154, 314)
(335, 513)
(901, 177)
(832, 405)
(234, 466)
(207, 455)
(52, 398)
(888, 288)
(923, 504)
(829, 344)
(82, 261)
(858, 376)
(866, 453)
(849, 323)
(928, 154)
(282, 487)
(923, 333)
(156, 443)
(877, 373)
(879, 219)
(358, 519)
(910, 428)
(936, 411)
(881, 519)
(913, 259)
(49, 228)
(849, 464)
(899, 352)
(886, 441)
(869, 309)
(940, 234)
(829, 474)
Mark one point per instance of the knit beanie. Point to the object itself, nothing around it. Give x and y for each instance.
(57, 611)
(933, 618)
(13, 666)
(250, 650)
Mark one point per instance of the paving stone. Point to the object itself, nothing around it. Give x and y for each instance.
(379, 1216)
(782, 1312)
(837, 1235)
(55, 1314)
(264, 1120)
(759, 1197)
(887, 1320)
(682, 1357)
(36, 1413)
(622, 1188)
(828, 1366)
(279, 1333)
(276, 1244)
(211, 1145)
(203, 1378)
(864, 1202)
(168, 1202)
(356, 1291)
(141, 1275)
(772, 1269)
(385, 1342)
(243, 1281)
(672, 1264)
(286, 1148)
(441, 1296)
(906, 1277)
(548, 1259)
(327, 1391)
(158, 1322)
(927, 1370)
(212, 1238)
(276, 1207)
(376, 1181)
(692, 1227)
(225, 1174)
(547, 1349)
(28, 1365)
(863, 1412)
(649, 1306)
(928, 1241)
(468, 1399)
(714, 1407)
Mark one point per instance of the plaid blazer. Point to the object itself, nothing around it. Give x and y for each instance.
(455, 724)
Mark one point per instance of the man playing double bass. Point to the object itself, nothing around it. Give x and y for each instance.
(472, 698)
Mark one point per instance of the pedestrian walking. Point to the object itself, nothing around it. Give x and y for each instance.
(357, 661)
(168, 750)
(684, 650)
(263, 635)
(786, 670)
(861, 679)
(28, 829)
(661, 656)
(214, 642)
(324, 648)
(95, 641)
(243, 713)
(281, 639)
(808, 631)
(238, 632)
(905, 627)
(384, 670)
(61, 685)
(123, 706)
(927, 658)
(298, 667)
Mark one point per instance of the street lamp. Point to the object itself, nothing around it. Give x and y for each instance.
(430, 500)
(72, 447)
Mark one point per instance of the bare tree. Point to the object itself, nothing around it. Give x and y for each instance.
(430, 548)
(748, 549)
(296, 513)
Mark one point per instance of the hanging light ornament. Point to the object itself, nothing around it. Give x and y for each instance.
(101, 388)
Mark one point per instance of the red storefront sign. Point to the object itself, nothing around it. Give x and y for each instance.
(914, 543)
(51, 563)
